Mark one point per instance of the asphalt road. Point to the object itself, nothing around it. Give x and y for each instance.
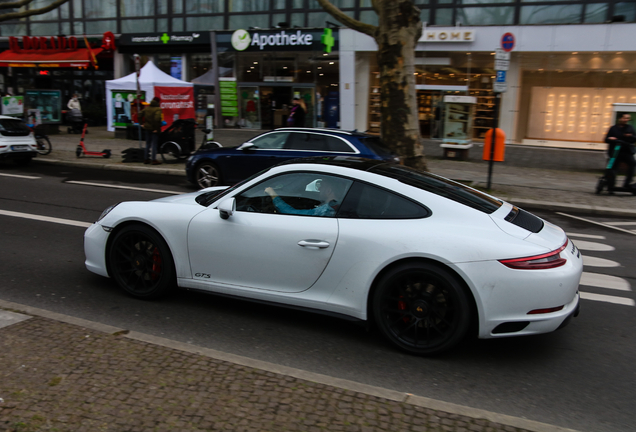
(581, 377)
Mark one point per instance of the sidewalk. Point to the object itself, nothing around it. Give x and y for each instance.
(531, 177)
(61, 373)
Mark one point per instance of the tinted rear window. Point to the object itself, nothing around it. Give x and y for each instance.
(439, 186)
(11, 127)
(376, 145)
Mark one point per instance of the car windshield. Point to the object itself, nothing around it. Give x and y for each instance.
(440, 186)
(206, 199)
(13, 127)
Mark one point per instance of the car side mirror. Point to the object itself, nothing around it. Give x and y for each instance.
(227, 208)
(247, 146)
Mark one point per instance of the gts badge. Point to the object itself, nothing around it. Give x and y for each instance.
(202, 275)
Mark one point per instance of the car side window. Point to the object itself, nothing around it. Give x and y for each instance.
(335, 144)
(301, 193)
(271, 141)
(308, 141)
(366, 201)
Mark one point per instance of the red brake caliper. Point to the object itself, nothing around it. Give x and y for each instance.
(402, 307)
(156, 264)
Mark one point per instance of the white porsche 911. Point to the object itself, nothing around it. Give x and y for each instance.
(425, 258)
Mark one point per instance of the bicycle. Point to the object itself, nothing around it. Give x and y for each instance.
(177, 142)
(43, 144)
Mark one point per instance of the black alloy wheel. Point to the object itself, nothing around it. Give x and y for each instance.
(141, 263)
(43, 145)
(421, 308)
(207, 175)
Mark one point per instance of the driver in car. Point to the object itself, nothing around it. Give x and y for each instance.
(328, 199)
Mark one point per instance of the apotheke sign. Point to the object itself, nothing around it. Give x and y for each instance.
(241, 39)
(280, 40)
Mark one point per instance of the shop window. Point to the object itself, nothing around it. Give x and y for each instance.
(626, 9)
(486, 15)
(279, 4)
(13, 29)
(444, 17)
(198, 64)
(65, 12)
(425, 15)
(248, 6)
(319, 19)
(278, 18)
(204, 23)
(177, 6)
(137, 26)
(204, 7)
(100, 9)
(177, 24)
(298, 4)
(44, 29)
(298, 19)
(595, 13)
(77, 10)
(162, 7)
(245, 21)
(101, 26)
(78, 27)
(66, 27)
(369, 17)
(162, 24)
(48, 16)
(135, 9)
(558, 14)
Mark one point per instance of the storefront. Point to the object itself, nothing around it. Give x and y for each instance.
(47, 71)
(561, 80)
(260, 72)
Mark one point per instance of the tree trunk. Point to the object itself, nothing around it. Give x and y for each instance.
(399, 29)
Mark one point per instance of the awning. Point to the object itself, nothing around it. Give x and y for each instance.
(79, 58)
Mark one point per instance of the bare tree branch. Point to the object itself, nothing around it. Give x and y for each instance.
(26, 13)
(15, 5)
(347, 20)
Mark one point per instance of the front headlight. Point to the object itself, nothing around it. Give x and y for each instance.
(105, 212)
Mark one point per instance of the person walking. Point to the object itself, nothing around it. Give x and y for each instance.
(74, 103)
(151, 118)
(623, 134)
(297, 115)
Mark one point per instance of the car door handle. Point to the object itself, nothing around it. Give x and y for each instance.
(319, 244)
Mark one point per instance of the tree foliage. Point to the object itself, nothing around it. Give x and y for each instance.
(26, 12)
(398, 30)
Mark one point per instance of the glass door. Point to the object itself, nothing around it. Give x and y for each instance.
(308, 96)
(250, 114)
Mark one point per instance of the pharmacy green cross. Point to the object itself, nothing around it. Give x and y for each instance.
(327, 40)
(165, 38)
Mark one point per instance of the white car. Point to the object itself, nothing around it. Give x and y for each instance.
(17, 141)
(427, 259)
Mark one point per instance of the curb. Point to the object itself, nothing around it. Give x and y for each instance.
(392, 395)
(113, 167)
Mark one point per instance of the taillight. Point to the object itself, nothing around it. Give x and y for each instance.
(538, 262)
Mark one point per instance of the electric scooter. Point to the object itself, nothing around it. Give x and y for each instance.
(608, 180)
(81, 149)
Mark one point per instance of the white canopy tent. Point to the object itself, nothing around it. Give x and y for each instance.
(149, 77)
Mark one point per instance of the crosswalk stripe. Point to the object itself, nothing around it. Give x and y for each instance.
(590, 261)
(621, 223)
(45, 218)
(104, 185)
(20, 176)
(588, 236)
(597, 223)
(607, 299)
(592, 246)
(605, 281)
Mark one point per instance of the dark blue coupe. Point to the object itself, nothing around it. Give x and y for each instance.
(229, 165)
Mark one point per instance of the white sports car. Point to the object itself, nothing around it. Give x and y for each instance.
(427, 259)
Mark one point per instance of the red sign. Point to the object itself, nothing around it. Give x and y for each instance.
(508, 42)
(176, 103)
(43, 44)
(108, 41)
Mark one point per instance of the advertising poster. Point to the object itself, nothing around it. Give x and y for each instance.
(49, 102)
(176, 103)
(122, 107)
(229, 98)
(13, 105)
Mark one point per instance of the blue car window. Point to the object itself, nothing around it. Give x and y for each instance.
(335, 144)
(308, 141)
(271, 141)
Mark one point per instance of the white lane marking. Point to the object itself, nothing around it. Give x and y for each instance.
(588, 236)
(621, 223)
(607, 299)
(123, 187)
(45, 218)
(20, 176)
(605, 281)
(592, 246)
(598, 223)
(591, 261)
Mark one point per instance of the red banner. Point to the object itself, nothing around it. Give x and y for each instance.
(176, 103)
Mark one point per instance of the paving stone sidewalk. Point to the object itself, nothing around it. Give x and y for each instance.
(56, 376)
